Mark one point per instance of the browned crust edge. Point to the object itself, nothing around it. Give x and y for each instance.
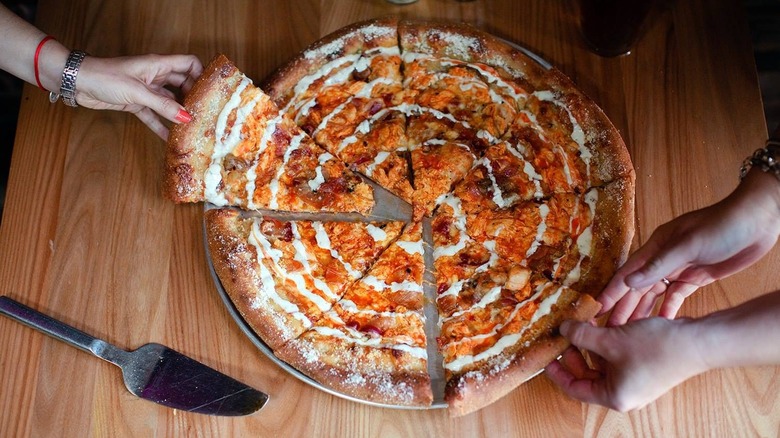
(357, 378)
(234, 262)
(613, 232)
(471, 391)
(354, 38)
(611, 160)
(467, 43)
(190, 144)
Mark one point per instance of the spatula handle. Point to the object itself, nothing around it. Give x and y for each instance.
(54, 328)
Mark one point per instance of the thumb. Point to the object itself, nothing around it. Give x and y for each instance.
(583, 335)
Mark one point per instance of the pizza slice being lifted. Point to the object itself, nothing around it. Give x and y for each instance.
(241, 150)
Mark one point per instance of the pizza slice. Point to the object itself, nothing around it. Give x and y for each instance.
(240, 150)
(372, 344)
(353, 105)
(506, 336)
(283, 276)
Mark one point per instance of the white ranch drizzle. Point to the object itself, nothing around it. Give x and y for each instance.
(508, 88)
(585, 240)
(378, 160)
(544, 210)
(319, 179)
(267, 284)
(251, 174)
(411, 247)
(376, 233)
(323, 241)
(459, 223)
(528, 168)
(273, 185)
(545, 307)
(352, 308)
(363, 93)
(379, 285)
(359, 338)
(343, 67)
(225, 142)
(302, 256)
(577, 134)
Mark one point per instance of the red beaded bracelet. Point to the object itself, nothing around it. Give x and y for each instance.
(35, 61)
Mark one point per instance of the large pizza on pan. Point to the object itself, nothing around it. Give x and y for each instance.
(525, 187)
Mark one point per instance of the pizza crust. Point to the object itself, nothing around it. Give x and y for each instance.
(190, 145)
(380, 375)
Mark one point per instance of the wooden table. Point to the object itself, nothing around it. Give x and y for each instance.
(87, 237)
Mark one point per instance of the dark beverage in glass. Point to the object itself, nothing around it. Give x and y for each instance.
(611, 27)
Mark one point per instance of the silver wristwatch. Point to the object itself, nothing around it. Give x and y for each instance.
(68, 87)
(767, 159)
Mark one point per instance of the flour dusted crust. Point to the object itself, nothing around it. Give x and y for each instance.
(190, 145)
(529, 188)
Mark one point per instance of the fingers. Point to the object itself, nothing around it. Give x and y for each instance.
(152, 120)
(589, 390)
(675, 296)
(583, 335)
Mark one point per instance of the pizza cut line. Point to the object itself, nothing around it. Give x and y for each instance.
(526, 186)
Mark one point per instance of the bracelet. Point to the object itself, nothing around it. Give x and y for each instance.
(767, 159)
(35, 60)
(69, 73)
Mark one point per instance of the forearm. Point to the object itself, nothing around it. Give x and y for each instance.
(18, 42)
(745, 335)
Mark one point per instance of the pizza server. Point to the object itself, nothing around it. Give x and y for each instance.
(153, 372)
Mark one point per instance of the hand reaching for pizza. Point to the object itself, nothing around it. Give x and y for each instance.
(638, 362)
(137, 84)
(696, 249)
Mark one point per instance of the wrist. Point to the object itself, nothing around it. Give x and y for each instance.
(695, 340)
(759, 194)
(50, 65)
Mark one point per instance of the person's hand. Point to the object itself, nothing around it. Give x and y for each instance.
(139, 84)
(696, 249)
(637, 362)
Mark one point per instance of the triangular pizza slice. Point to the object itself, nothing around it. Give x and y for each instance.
(372, 344)
(241, 150)
(283, 276)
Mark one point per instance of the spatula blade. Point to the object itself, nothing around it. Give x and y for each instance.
(165, 376)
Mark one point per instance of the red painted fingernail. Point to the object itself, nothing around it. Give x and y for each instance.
(183, 116)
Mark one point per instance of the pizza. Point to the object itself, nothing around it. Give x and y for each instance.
(244, 152)
(522, 194)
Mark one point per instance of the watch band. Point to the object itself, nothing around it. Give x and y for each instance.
(767, 159)
(68, 87)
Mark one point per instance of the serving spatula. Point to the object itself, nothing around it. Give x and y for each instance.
(153, 372)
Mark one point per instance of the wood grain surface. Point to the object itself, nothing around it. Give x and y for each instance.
(87, 237)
